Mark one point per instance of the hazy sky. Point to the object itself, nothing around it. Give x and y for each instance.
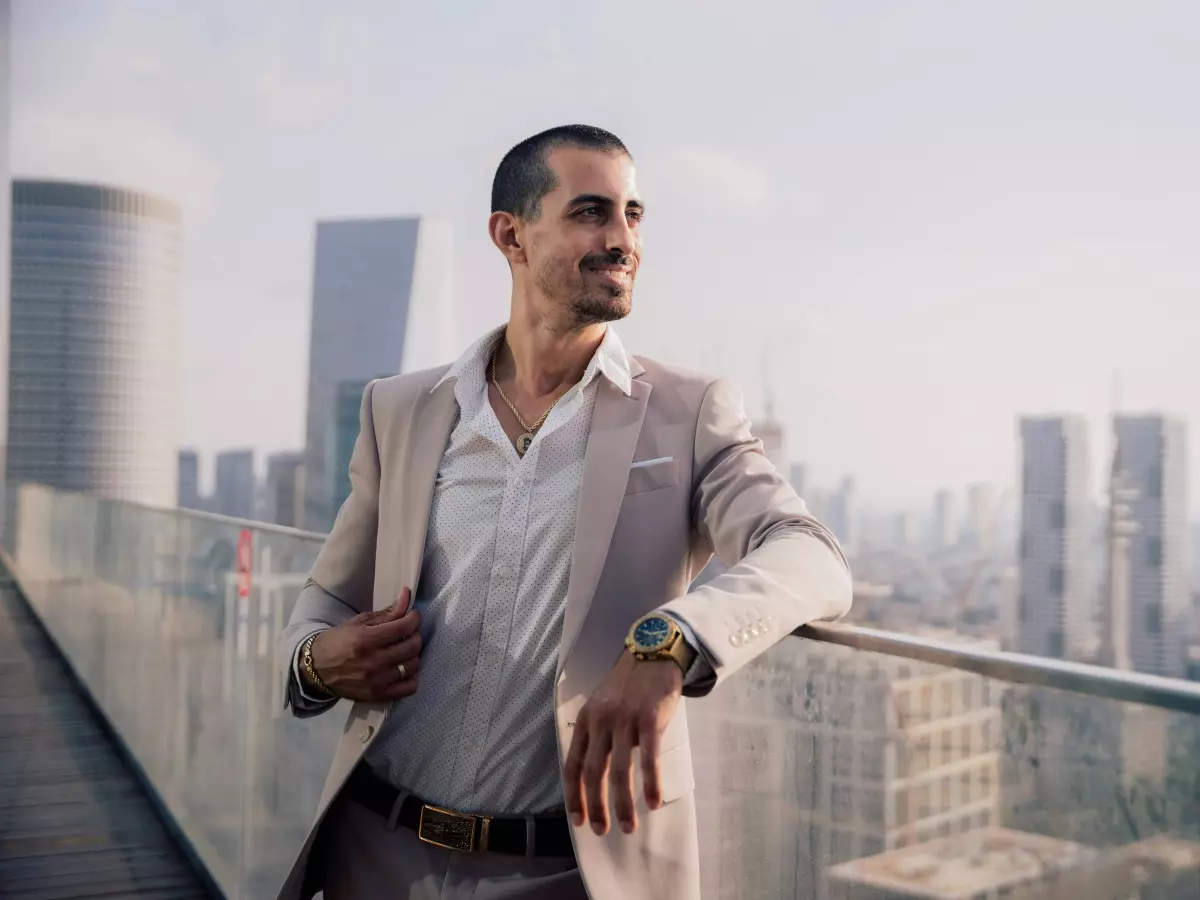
(918, 219)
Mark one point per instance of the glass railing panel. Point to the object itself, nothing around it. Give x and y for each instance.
(822, 772)
(147, 606)
(831, 773)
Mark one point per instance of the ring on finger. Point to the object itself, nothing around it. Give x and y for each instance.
(402, 670)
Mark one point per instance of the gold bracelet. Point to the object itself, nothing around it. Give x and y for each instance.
(309, 669)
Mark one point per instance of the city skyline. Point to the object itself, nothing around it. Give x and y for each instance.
(920, 252)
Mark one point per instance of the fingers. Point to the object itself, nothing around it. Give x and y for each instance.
(405, 650)
(648, 737)
(400, 688)
(573, 775)
(595, 784)
(620, 779)
(403, 603)
(390, 631)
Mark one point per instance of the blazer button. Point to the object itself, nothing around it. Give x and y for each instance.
(735, 639)
(365, 734)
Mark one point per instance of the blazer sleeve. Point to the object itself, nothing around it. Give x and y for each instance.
(785, 568)
(342, 580)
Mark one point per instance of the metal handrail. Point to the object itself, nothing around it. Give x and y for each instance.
(1017, 668)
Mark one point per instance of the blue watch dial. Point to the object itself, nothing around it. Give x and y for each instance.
(652, 633)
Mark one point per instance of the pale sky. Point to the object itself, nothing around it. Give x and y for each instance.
(917, 219)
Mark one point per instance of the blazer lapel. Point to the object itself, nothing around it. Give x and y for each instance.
(433, 418)
(616, 424)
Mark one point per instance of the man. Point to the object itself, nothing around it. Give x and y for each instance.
(504, 595)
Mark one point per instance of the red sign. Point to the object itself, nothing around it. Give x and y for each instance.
(244, 547)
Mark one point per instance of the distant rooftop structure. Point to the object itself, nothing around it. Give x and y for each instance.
(979, 863)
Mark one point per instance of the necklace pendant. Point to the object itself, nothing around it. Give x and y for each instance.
(523, 443)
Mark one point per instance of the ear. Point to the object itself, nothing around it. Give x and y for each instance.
(505, 230)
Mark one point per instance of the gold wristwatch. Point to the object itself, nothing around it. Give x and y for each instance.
(658, 637)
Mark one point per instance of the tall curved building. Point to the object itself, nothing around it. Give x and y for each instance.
(93, 394)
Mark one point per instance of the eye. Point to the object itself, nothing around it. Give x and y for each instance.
(636, 215)
(590, 211)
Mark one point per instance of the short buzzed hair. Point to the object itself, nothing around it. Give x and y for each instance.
(524, 177)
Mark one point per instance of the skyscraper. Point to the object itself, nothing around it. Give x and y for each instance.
(381, 304)
(285, 489)
(189, 479)
(235, 493)
(840, 512)
(945, 524)
(93, 363)
(979, 527)
(1151, 462)
(347, 404)
(1054, 604)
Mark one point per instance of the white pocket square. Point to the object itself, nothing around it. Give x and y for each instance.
(651, 462)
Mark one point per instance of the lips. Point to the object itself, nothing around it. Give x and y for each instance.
(610, 271)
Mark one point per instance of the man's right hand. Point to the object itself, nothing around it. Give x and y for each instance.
(361, 658)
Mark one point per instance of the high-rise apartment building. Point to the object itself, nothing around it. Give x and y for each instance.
(381, 304)
(840, 511)
(285, 489)
(236, 484)
(884, 753)
(945, 522)
(1151, 463)
(979, 528)
(189, 480)
(1054, 603)
(93, 364)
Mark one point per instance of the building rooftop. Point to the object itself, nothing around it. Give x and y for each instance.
(961, 866)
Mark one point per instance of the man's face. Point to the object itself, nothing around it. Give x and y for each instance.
(585, 246)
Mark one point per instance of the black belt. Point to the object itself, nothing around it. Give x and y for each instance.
(460, 831)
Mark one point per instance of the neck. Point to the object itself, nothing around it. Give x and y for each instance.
(542, 359)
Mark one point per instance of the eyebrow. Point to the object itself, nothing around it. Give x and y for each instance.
(601, 200)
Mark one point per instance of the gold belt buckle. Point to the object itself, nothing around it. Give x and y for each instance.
(450, 830)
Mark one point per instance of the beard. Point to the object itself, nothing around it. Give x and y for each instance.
(586, 302)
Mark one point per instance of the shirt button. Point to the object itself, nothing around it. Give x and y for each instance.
(504, 572)
(365, 734)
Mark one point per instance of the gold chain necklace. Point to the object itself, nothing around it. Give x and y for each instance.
(528, 431)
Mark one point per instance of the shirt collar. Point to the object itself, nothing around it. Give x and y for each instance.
(609, 360)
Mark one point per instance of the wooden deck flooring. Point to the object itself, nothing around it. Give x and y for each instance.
(74, 821)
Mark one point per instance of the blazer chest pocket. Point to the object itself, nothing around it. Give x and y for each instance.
(652, 475)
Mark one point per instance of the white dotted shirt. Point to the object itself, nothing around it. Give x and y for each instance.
(479, 734)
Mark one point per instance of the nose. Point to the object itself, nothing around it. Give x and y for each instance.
(621, 238)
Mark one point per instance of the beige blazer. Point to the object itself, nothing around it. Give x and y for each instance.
(642, 535)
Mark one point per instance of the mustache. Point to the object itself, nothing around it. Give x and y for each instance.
(608, 259)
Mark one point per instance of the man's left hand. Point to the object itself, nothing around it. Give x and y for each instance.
(631, 708)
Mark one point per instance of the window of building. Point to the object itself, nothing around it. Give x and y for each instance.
(964, 741)
(1058, 514)
(1055, 640)
(948, 754)
(1056, 582)
(1154, 482)
(924, 804)
(900, 801)
(843, 803)
(871, 758)
(925, 710)
(920, 757)
(1153, 617)
(946, 707)
(872, 807)
(1154, 552)
(843, 756)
